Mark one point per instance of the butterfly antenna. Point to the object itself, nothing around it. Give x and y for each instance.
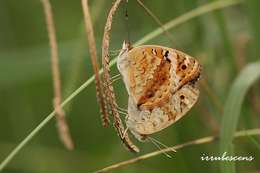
(122, 109)
(115, 76)
(115, 79)
(125, 132)
(121, 112)
(162, 144)
(116, 51)
(159, 147)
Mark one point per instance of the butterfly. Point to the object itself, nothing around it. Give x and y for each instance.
(162, 86)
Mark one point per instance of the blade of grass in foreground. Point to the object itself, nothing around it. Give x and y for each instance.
(173, 23)
(232, 110)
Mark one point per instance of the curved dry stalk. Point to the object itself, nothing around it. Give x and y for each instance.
(60, 115)
(108, 87)
(157, 20)
(203, 140)
(93, 55)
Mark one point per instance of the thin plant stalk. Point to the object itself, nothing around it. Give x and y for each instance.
(204, 140)
(60, 115)
(109, 90)
(93, 55)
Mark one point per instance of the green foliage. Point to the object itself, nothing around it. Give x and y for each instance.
(232, 110)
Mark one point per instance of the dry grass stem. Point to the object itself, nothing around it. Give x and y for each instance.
(157, 20)
(199, 141)
(93, 56)
(109, 90)
(60, 116)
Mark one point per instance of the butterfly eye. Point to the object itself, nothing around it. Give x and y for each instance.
(182, 97)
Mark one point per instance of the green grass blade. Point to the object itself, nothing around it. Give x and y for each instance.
(254, 141)
(232, 110)
(42, 124)
(189, 15)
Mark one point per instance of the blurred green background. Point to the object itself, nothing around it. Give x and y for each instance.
(224, 42)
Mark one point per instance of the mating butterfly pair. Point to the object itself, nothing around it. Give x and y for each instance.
(162, 86)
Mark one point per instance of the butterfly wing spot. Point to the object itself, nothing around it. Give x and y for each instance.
(149, 94)
(187, 69)
(168, 60)
(166, 55)
(154, 51)
(183, 67)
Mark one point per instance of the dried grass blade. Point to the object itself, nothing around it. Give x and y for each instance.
(60, 116)
(109, 90)
(93, 56)
(199, 141)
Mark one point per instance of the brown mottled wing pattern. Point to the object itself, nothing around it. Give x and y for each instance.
(149, 74)
(162, 87)
(143, 123)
